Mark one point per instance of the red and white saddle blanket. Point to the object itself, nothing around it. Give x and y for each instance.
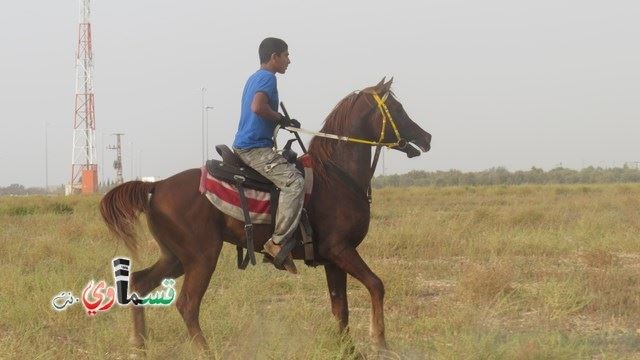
(225, 197)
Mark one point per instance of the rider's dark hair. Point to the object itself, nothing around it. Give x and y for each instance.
(270, 46)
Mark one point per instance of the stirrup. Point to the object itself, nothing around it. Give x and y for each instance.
(285, 250)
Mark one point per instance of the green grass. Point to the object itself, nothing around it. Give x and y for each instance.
(524, 272)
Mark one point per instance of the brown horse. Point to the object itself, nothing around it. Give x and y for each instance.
(190, 231)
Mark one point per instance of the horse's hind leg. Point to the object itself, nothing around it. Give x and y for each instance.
(337, 283)
(350, 261)
(198, 270)
(142, 282)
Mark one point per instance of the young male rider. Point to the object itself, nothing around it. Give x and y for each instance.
(254, 144)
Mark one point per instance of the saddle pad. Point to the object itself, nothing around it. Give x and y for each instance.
(225, 197)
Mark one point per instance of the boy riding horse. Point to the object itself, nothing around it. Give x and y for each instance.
(254, 143)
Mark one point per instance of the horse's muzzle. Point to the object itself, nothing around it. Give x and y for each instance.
(423, 142)
(409, 149)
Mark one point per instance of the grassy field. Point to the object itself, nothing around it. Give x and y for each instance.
(525, 272)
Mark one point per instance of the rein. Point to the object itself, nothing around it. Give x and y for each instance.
(355, 187)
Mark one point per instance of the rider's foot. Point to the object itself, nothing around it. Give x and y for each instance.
(273, 249)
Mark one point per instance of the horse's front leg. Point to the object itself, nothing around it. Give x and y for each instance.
(350, 261)
(337, 283)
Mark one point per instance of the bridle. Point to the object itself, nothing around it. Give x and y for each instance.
(400, 143)
(386, 116)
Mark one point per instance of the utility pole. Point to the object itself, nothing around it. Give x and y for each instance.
(117, 164)
(101, 167)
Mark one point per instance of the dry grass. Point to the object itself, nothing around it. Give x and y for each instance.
(523, 272)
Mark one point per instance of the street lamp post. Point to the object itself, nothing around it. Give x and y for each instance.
(132, 160)
(202, 91)
(46, 158)
(206, 146)
(383, 162)
(139, 163)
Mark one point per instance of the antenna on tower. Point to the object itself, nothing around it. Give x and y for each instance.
(117, 164)
(84, 168)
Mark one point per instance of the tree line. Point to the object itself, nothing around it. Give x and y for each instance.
(502, 176)
(493, 176)
(21, 190)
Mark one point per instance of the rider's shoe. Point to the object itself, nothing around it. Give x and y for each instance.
(273, 249)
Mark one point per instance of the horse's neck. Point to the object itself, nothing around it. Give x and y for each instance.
(355, 160)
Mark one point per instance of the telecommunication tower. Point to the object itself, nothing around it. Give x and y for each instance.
(117, 164)
(84, 168)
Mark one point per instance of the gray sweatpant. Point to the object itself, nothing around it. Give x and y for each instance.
(284, 175)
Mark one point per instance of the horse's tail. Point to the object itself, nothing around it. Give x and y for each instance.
(121, 207)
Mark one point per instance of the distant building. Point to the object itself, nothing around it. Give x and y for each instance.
(150, 179)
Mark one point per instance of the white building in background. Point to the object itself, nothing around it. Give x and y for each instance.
(150, 179)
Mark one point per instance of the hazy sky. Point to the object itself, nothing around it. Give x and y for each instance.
(496, 82)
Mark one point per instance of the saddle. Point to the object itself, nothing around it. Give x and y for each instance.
(233, 170)
(232, 166)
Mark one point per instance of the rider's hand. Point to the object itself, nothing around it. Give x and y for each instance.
(283, 121)
(294, 123)
(286, 121)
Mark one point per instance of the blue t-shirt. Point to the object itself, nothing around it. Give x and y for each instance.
(254, 131)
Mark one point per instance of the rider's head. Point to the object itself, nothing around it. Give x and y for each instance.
(274, 55)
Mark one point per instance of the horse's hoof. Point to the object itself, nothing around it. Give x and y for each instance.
(138, 350)
(384, 353)
(137, 354)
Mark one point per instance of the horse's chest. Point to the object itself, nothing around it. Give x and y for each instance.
(359, 228)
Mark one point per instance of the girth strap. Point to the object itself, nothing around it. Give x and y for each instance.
(307, 239)
(248, 227)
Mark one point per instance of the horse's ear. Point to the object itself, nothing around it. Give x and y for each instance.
(384, 88)
(381, 82)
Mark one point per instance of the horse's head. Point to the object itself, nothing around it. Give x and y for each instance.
(392, 124)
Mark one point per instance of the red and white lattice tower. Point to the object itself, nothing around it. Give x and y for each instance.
(84, 168)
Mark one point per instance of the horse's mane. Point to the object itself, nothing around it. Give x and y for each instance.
(322, 149)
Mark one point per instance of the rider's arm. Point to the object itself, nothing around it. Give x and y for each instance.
(260, 106)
